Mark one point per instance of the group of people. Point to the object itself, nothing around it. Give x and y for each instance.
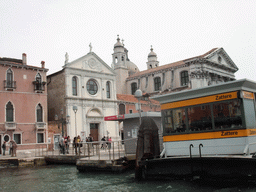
(12, 148)
(64, 145)
(78, 143)
(106, 144)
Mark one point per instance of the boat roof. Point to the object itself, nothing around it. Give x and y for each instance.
(242, 84)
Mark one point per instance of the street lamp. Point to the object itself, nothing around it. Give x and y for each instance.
(75, 110)
(63, 121)
(138, 95)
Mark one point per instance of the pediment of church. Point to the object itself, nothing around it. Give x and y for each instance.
(91, 62)
(221, 58)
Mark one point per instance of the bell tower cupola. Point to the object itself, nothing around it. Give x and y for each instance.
(152, 60)
(119, 55)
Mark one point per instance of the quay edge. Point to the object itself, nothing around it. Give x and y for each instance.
(229, 167)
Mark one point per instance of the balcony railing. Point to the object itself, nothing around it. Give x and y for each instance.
(9, 85)
(39, 86)
(40, 125)
(10, 125)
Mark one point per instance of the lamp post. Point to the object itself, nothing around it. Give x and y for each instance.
(75, 110)
(63, 121)
(138, 95)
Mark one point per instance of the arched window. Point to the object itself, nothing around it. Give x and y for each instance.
(39, 113)
(9, 78)
(134, 88)
(184, 78)
(108, 89)
(74, 86)
(9, 112)
(157, 83)
(38, 82)
(121, 109)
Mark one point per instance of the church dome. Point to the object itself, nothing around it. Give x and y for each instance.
(132, 67)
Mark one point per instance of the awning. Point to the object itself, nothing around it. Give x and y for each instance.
(114, 118)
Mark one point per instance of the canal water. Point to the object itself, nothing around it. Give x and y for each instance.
(67, 178)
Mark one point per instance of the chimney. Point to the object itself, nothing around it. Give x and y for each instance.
(42, 63)
(24, 59)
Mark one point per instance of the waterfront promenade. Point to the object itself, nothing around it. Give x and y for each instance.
(89, 154)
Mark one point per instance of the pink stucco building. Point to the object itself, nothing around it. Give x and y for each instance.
(23, 103)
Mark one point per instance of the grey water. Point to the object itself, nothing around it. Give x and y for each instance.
(68, 178)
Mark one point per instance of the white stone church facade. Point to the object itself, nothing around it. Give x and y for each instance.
(89, 85)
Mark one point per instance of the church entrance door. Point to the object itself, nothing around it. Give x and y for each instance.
(94, 131)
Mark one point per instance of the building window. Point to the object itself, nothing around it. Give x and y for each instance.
(184, 78)
(130, 111)
(163, 78)
(7, 138)
(9, 112)
(121, 109)
(92, 87)
(134, 88)
(157, 83)
(108, 89)
(17, 138)
(9, 79)
(38, 83)
(74, 86)
(146, 82)
(39, 113)
(40, 137)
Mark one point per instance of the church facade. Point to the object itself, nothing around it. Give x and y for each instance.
(85, 91)
(213, 67)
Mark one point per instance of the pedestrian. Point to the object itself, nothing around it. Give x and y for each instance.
(62, 146)
(103, 139)
(90, 139)
(67, 144)
(4, 147)
(79, 143)
(11, 148)
(14, 146)
(109, 142)
(75, 144)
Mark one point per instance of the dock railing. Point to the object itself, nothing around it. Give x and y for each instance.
(100, 150)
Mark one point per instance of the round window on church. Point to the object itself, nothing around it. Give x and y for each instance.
(92, 86)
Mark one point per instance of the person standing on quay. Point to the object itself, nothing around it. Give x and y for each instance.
(14, 145)
(67, 144)
(11, 149)
(4, 147)
(75, 144)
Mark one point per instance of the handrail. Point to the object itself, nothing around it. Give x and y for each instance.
(200, 145)
(191, 145)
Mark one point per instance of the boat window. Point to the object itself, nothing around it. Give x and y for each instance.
(227, 114)
(199, 118)
(175, 121)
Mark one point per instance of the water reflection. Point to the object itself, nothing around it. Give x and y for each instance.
(67, 178)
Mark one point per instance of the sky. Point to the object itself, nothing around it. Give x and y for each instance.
(177, 29)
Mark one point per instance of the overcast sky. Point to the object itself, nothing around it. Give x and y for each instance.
(47, 29)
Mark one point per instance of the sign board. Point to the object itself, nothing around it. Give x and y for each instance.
(114, 118)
